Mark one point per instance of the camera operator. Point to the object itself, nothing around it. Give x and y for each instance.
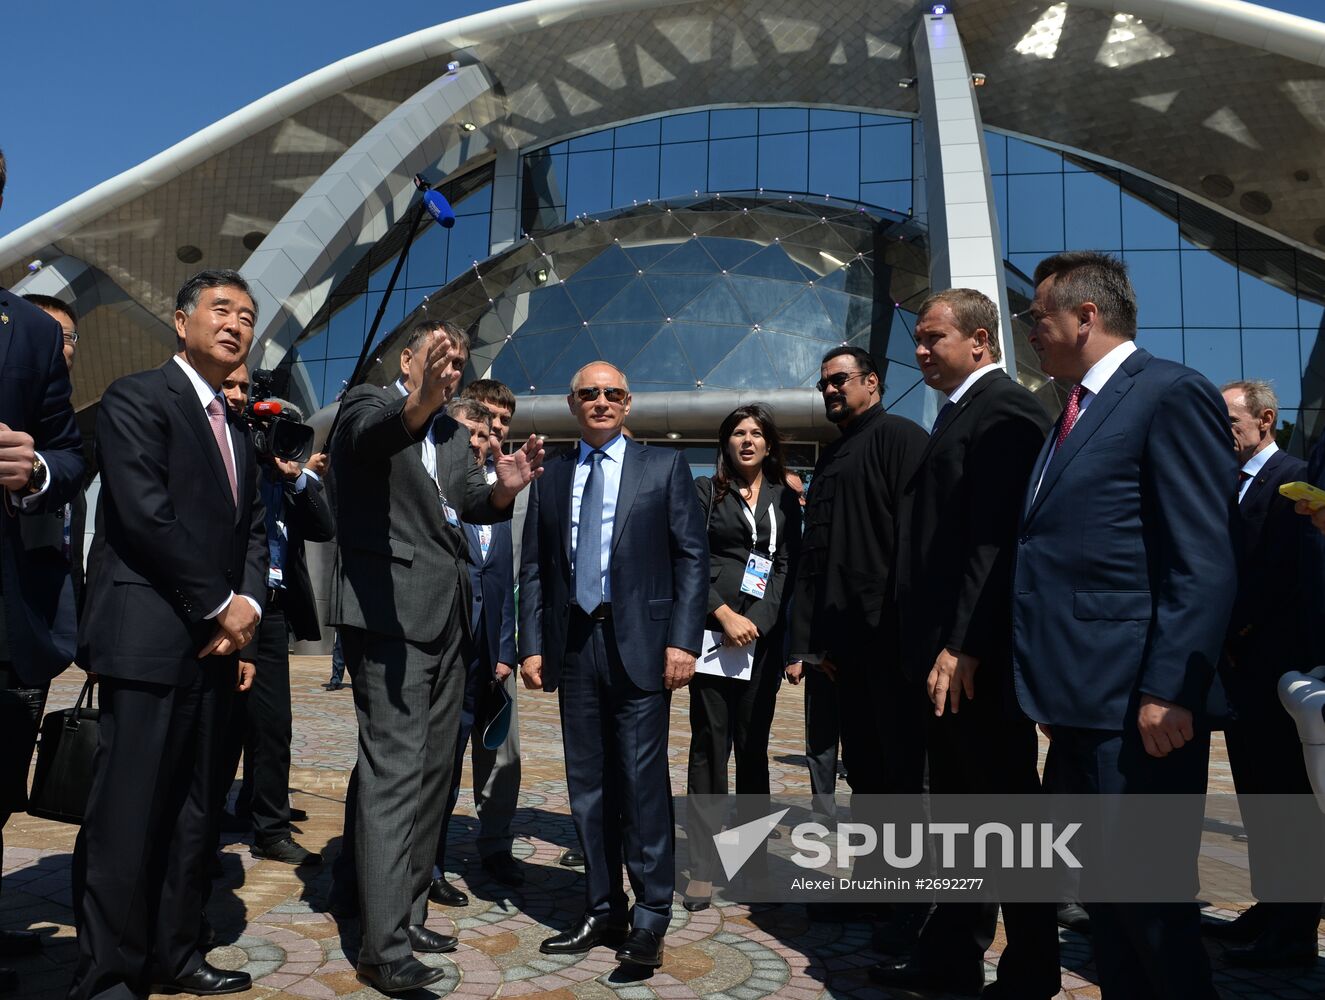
(260, 726)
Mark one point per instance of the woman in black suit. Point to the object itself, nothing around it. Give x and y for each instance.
(752, 518)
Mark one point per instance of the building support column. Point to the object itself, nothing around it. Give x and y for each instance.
(965, 248)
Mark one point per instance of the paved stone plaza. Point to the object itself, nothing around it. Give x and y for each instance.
(270, 918)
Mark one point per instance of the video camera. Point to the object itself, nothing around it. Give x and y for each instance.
(276, 434)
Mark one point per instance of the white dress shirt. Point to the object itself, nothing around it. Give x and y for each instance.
(614, 453)
(1092, 382)
(1254, 465)
(205, 396)
(956, 395)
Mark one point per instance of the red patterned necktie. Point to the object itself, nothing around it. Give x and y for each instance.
(1070, 413)
(216, 415)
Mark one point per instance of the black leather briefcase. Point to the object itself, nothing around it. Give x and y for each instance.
(64, 761)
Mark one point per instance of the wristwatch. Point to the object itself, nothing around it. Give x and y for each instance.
(40, 475)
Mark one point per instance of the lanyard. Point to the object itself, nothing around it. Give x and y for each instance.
(749, 516)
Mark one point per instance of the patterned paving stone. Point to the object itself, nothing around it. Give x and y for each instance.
(271, 921)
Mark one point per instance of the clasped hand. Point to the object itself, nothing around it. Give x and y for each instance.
(235, 626)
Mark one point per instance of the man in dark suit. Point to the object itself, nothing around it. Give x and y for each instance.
(75, 511)
(41, 468)
(1125, 576)
(492, 622)
(404, 479)
(956, 533)
(1266, 637)
(175, 579)
(260, 724)
(614, 582)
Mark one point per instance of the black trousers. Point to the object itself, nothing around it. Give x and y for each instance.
(21, 709)
(614, 736)
(139, 868)
(1265, 755)
(729, 715)
(883, 727)
(1143, 951)
(260, 727)
(982, 749)
(822, 733)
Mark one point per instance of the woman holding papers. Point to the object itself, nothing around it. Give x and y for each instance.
(753, 532)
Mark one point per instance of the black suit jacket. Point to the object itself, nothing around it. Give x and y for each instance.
(38, 600)
(308, 517)
(171, 542)
(1266, 631)
(659, 564)
(958, 526)
(493, 582)
(729, 550)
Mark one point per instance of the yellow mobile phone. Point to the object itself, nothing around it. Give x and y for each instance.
(1313, 495)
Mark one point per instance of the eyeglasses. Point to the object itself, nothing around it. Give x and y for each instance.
(613, 394)
(838, 380)
(71, 337)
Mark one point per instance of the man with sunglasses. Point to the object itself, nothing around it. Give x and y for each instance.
(613, 594)
(843, 620)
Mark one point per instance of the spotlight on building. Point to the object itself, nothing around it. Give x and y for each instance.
(673, 435)
(452, 67)
(467, 126)
(35, 266)
(907, 82)
(540, 276)
(977, 79)
(939, 9)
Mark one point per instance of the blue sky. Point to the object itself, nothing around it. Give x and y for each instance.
(124, 81)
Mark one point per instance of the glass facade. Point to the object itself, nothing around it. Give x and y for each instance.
(1214, 293)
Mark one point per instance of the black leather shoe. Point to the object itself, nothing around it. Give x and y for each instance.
(298, 815)
(573, 858)
(287, 852)
(1243, 930)
(444, 893)
(908, 976)
(16, 943)
(422, 939)
(504, 869)
(588, 934)
(400, 976)
(641, 947)
(1074, 917)
(207, 981)
(1273, 950)
(696, 904)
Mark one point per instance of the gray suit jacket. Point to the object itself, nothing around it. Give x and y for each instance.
(398, 564)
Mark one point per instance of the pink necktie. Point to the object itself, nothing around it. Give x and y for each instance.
(1070, 413)
(216, 413)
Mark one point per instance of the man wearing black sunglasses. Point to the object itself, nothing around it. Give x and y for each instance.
(613, 594)
(843, 612)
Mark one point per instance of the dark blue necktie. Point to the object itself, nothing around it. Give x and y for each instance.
(589, 538)
(945, 411)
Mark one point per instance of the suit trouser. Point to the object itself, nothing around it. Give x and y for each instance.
(1142, 950)
(21, 709)
(139, 871)
(1265, 755)
(261, 727)
(496, 779)
(614, 736)
(822, 732)
(407, 699)
(883, 727)
(729, 715)
(981, 750)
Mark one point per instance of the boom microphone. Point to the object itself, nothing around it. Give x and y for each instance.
(436, 204)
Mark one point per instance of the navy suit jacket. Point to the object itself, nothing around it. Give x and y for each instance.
(39, 611)
(493, 581)
(1125, 568)
(659, 564)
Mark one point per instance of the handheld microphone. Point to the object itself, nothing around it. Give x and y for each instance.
(267, 408)
(436, 204)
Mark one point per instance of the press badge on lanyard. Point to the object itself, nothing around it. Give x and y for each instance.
(452, 518)
(758, 568)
